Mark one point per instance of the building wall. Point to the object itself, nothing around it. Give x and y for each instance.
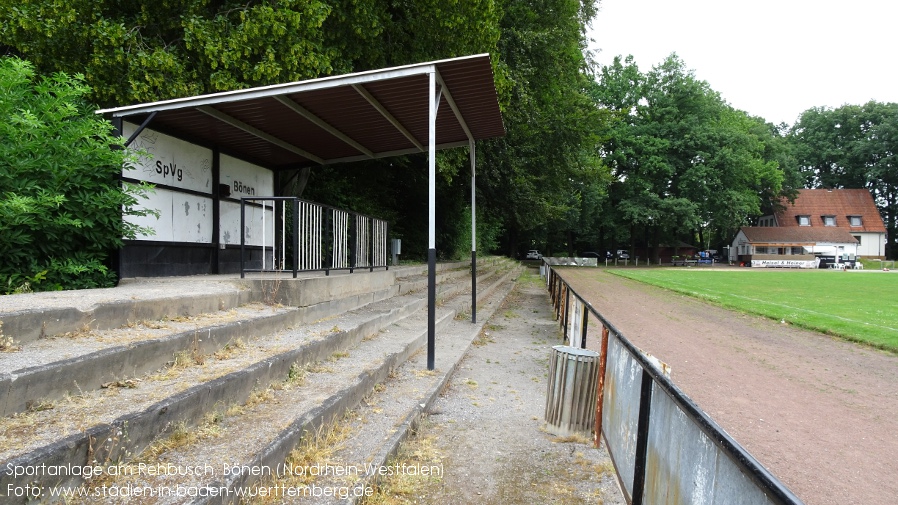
(871, 244)
(198, 229)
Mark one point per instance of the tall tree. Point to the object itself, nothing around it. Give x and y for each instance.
(853, 146)
(137, 52)
(685, 165)
(551, 121)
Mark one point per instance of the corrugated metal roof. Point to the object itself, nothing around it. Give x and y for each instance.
(336, 119)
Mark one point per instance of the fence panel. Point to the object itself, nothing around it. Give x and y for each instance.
(310, 236)
(619, 415)
(340, 239)
(709, 477)
(319, 237)
(379, 244)
(362, 241)
(664, 448)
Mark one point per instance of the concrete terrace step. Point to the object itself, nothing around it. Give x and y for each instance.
(189, 394)
(388, 416)
(36, 375)
(31, 316)
(256, 438)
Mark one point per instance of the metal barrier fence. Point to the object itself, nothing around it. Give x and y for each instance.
(665, 449)
(318, 237)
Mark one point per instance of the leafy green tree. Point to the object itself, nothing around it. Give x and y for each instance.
(134, 52)
(853, 146)
(552, 123)
(60, 205)
(685, 165)
(137, 52)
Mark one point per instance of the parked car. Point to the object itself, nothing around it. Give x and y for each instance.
(623, 254)
(591, 254)
(533, 254)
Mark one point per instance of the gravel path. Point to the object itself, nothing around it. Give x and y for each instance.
(488, 423)
(819, 412)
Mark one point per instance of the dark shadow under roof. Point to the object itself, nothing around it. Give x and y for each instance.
(336, 119)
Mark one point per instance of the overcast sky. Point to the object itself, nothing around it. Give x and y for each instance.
(772, 59)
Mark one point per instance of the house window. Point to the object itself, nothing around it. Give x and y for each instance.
(858, 238)
(829, 220)
(804, 220)
(855, 220)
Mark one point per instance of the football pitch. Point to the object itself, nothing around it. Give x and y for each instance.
(857, 306)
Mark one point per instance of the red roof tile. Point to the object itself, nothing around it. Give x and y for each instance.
(840, 203)
(797, 235)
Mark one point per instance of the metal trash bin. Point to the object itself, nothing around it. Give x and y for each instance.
(571, 397)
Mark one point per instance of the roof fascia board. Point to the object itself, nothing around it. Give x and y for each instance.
(398, 152)
(262, 92)
(258, 133)
(386, 114)
(453, 106)
(282, 89)
(302, 111)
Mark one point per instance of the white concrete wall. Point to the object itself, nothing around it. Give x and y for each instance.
(188, 217)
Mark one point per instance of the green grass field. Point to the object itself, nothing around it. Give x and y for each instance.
(857, 306)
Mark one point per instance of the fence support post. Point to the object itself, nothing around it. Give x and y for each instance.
(328, 240)
(600, 396)
(642, 438)
(353, 230)
(566, 312)
(242, 237)
(584, 323)
(295, 236)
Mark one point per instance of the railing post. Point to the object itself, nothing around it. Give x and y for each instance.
(642, 438)
(352, 234)
(566, 311)
(600, 396)
(328, 240)
(584, 323)
(295, 235)
(242, 237)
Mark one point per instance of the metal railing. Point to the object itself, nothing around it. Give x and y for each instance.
(318, 237)
(665, 449)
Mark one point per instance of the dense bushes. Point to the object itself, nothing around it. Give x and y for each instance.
(61, 204)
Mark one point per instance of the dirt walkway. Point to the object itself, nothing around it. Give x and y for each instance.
(487, 425)
(819, 412)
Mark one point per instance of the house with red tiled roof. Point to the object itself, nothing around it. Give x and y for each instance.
(832, 225)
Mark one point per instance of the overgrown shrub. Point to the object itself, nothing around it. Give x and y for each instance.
(61, 203)
(488, 231)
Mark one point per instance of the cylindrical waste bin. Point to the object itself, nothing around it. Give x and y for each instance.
(571, 399)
